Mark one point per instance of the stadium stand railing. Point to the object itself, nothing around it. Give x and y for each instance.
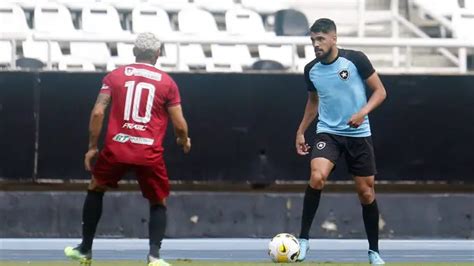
(227, 36)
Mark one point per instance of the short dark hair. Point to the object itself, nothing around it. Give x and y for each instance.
(324, 25)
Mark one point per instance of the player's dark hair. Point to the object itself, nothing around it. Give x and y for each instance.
(323, 25)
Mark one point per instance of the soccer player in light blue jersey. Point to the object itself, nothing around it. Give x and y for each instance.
(336, 82)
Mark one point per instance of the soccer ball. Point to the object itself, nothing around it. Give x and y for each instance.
(284, 248)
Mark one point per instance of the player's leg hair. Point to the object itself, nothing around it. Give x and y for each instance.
(320, 170)
(91, 213)
(370, 211)
(157, 226)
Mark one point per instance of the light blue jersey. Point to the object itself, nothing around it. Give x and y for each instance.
(341, 89)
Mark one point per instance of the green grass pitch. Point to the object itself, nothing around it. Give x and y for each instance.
(216, 263)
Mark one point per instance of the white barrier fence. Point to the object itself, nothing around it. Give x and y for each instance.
(461, 46)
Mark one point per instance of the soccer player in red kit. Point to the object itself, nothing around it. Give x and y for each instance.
(143, 98)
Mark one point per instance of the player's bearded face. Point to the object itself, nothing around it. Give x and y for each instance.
(323, 43)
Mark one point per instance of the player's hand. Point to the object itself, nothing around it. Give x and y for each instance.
(90, 155)
(302, 148)
(186, 144)
(356, 120)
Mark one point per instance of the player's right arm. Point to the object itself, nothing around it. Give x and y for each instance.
(310, 112)
(95, 127)
(180, 127)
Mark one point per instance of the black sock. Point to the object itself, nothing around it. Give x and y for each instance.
(156, 228)
(310, 205)
(370, 213)
(91, 213)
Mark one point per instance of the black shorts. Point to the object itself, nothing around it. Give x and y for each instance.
(358, 152)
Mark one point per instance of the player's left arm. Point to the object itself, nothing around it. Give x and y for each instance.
(374, 83)
(95, 127)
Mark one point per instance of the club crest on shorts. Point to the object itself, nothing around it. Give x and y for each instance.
(344, 74)
(320, 145)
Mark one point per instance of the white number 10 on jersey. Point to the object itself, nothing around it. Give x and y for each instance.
(134, 107)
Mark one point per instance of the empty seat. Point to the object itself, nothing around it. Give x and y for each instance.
(443, 8)
(347, 14)
(52, 17)
(39, 50)
(236, 56)
(75, 65)
(194, 20)
(12, 19)
(97, 18)
(124, 56)
(97, 53)
(217, 6)
(125, 50)
(291, 22)
(76, 4)
(309, 53)
(280, 53)
(148, 18)
(170, 5)
(265, 6)
(469, 4)
(463, 23)
(223, 67)
(121, 4)
(5, 53)
(101, 18)
(192, 55)
(246, 22)
(241, 21)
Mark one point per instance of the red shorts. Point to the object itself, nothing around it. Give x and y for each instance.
(153, 179)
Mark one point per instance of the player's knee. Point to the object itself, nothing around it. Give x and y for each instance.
(318, 179)
(155, 202)
(366, 196)
(94, 186)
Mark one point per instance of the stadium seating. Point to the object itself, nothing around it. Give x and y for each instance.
(39, 50)
(463, 23)
(122, 5)
(5, 53)
(196, 21)
(170, 5)
(469, 4)
(12, 18)
(105, 26)
(101, 18)
(291, 22)
(280, 53)
(149, 18)
(76, 4)
(217, 6)
(443, 8)
(75, 65)
(98, 18)
(53, 18)
(231, 57)
(265, 6)
(241, 21)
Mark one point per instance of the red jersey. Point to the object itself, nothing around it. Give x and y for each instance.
(138, 118)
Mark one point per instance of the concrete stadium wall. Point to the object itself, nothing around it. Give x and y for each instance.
(422, 132)
(211, 214)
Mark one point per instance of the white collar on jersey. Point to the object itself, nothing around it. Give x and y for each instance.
(146, 64)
